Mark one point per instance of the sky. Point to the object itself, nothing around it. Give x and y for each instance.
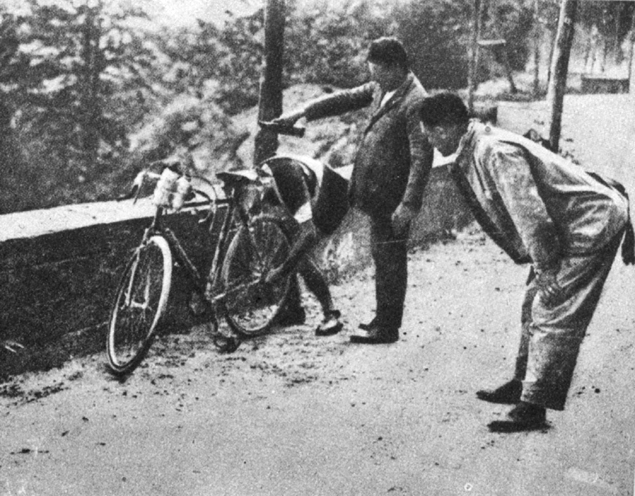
(185, 12)
(169, 12)
(181, 13)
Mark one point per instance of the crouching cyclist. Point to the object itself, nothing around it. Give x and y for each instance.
(315, 200)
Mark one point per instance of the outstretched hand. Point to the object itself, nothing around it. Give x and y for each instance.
(288, 119)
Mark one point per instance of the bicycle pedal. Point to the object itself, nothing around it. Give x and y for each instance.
(226, 344)
(198, 305)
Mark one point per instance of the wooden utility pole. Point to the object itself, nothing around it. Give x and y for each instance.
(270, 104)
(631, 53)
(617, 51)
(537, 38)
(559, 69)
(473, 69)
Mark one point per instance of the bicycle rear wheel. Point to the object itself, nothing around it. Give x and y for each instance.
(250, 305)
(141, 300)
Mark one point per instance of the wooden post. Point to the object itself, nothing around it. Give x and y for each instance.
(473, 70)
(559, 68)
(270, 104)
(619, 8)
(537, 37)
(552, 47)
(630, 55)
(508, 71)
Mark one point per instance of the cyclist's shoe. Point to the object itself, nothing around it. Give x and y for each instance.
(330, 325)
(291, 316)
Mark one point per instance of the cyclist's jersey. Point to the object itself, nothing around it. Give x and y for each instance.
(310, 190)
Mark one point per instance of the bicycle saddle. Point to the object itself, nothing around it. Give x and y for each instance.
(238, 176)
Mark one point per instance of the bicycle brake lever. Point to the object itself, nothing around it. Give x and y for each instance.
(11, 345)
(136, 186)
(135, 189)
(206, 218)
(128, 195)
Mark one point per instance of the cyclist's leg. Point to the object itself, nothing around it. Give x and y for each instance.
(294, 193)
(316, 283)
(293, 313)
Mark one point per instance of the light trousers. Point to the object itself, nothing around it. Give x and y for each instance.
(551, 336)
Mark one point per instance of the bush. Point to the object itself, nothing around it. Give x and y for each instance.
(436, 35)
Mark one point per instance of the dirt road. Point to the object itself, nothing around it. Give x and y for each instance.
(293, 414)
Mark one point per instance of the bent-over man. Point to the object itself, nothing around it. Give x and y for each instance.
(541, 209)
(314, 196)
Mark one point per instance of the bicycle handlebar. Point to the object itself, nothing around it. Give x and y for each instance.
(282, 128)
(137, 184)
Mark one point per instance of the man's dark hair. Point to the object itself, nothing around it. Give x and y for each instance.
(388, 51)
(443, 109)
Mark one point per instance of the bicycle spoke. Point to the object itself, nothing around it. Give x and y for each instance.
(141, 299)
(250, 303)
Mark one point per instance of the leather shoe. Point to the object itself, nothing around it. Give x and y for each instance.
(507, 394)
(523, 417)
(376, 335)
(330, 325)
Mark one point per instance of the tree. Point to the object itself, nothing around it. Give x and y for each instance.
(436, 36)
(327, 44)
(89, 61)
(270, 101)
(68, 73)
(559, 68)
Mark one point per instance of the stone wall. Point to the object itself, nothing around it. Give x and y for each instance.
(59, 267)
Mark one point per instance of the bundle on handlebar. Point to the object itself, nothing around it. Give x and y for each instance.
(171, 190)
(282, 128)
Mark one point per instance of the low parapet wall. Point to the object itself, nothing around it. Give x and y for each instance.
(59, 267)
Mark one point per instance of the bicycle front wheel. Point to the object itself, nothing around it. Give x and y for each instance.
(141, 300)
(249, 304)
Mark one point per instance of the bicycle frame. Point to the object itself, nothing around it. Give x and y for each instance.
(234, 217)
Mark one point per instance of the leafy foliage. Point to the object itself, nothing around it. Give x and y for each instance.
(436, 34)
(66, 83)
(327, 45)
(87, 93)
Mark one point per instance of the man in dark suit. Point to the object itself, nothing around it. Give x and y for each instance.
(391, 169)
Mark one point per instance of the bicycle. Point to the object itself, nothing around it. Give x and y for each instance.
(249, 246)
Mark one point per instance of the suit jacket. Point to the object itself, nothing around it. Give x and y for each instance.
(394, 157)
(535, 204)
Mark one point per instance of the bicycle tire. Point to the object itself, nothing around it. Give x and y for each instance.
(250, 305)
(140, 301)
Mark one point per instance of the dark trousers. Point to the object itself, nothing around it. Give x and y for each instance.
(390, 254)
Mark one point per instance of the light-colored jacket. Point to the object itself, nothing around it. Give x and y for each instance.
(536, 205)
(394, 157)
